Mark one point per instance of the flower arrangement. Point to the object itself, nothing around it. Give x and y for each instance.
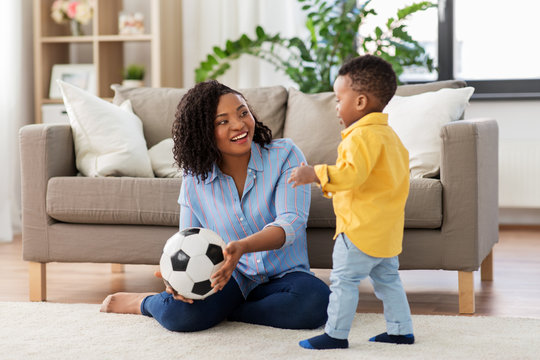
(80, 11)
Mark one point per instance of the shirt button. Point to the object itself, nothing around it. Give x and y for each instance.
(241, 219)
(254, 176)
(259, 261)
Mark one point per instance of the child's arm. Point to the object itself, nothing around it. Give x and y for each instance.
(304, 174)
(357, 156)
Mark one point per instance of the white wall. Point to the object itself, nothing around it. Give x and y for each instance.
(518, 120)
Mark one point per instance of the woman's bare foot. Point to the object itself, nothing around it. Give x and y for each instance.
(124, 303)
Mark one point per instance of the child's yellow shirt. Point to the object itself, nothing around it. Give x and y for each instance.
(369, 186)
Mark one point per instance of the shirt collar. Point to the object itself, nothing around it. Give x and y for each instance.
(255, 163)
(374, 118)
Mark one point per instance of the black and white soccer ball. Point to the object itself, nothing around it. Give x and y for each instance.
(189, 259)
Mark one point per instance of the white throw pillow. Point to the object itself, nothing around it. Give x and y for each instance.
(418, 119)
(162, 159)
(108, 139)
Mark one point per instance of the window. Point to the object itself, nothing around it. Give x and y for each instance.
(492, 45)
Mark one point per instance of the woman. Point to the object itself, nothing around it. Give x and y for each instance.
(235, 183)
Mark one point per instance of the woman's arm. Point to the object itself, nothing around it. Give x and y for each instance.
(187, 216)
(269, 238)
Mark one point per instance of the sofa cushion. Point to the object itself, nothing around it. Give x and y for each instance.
(424, 208)
(311, 122)
(422, 211)
(418, 120)
(162, 159)
(415, 89)
(114, 200)
(154, 202)
(108, 139)
(157, 108)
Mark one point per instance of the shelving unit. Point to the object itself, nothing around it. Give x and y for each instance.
(162, 42)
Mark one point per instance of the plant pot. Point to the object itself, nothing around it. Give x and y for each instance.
(132, 83)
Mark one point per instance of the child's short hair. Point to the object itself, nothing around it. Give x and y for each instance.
(371, 74)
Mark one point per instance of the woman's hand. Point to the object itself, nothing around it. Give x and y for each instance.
(232, 254)
(304, 174)
(171, 291)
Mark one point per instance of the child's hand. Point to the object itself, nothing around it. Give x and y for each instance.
(304, 174)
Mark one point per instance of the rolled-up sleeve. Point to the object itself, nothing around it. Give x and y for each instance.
(291, 204)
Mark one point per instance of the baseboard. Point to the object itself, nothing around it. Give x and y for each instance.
(519, 216)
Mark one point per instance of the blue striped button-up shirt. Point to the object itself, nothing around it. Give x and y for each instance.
(267, 200)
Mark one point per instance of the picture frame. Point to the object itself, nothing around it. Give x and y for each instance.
(80, 75)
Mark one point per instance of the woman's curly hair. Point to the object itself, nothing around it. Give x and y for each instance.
(195, 150)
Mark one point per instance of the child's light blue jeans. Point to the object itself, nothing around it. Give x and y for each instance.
(350, 267)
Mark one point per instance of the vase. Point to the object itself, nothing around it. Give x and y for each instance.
(76, 28)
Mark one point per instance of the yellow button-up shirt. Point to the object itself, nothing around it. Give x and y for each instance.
(369, 186)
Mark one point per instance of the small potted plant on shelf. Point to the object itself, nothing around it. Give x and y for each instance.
(74, 12)
(133, 76)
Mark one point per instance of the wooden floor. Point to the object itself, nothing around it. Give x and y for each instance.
(515, 291)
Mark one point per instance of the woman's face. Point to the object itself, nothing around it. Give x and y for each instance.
(234, 126)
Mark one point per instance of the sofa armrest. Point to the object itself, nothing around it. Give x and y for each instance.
(46, 151)
(469, 175)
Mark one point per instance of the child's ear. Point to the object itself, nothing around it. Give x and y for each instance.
(361, 102)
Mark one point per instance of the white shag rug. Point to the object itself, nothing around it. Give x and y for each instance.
(79, 331)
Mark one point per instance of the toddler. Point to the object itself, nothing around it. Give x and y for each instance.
(369, 185)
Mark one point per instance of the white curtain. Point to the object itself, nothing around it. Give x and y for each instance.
(209, 23)
(16, 106)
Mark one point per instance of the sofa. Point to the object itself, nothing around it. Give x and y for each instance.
(451, 215)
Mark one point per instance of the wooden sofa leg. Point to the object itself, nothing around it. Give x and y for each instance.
(466, 292)
(117, 268)
(486, 269)
(38, 281)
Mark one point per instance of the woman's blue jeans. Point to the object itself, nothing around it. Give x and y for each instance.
(297, 300)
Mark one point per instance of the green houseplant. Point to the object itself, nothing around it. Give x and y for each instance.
(133, 75)
(334, 28)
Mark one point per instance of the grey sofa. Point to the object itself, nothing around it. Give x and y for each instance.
(451, 220)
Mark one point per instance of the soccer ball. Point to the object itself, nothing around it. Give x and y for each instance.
(189, 259)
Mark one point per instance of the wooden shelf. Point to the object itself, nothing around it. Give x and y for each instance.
(67, 39)
(125, 38)
(106, 49)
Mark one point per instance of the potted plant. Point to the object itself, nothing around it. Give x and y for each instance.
(133, 76)
(335, 36)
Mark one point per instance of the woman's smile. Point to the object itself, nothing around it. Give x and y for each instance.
(241, 138)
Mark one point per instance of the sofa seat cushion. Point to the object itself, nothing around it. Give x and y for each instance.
(114, 200)
(143, 201)
(422, 211)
